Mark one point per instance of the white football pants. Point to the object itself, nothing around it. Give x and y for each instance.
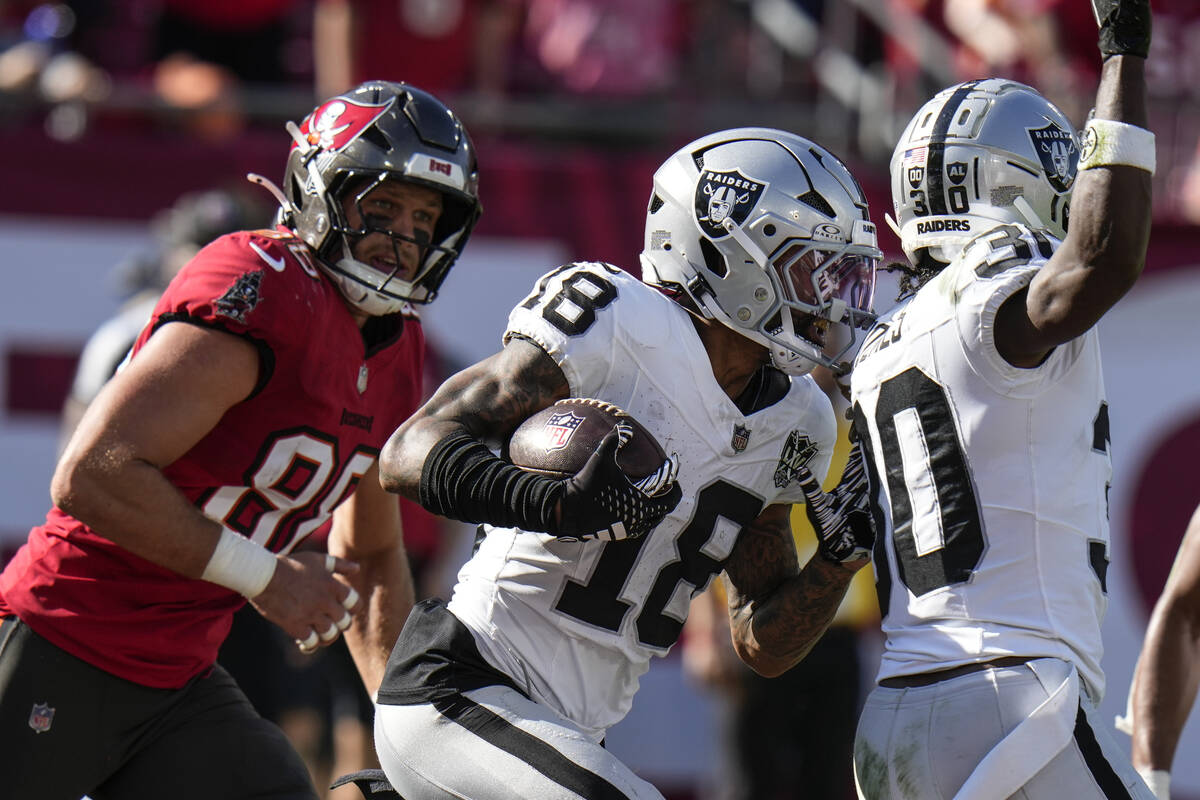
(495, 744)
(950, 740)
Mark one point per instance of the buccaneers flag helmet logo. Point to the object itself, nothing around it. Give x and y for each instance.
(339, 122)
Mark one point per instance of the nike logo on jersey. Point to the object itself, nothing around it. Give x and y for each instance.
(275, 262)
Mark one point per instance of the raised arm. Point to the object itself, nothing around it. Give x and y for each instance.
(1105, 247)
(1168, 672)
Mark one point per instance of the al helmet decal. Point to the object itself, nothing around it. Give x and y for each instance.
(1059, 154)
(725, 195)
(335, 124)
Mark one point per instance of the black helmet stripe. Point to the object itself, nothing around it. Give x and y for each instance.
(935, 173)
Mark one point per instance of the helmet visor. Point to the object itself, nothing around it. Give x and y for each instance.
(813, 279)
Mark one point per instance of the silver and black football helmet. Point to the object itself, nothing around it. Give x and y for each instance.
(978, 155)
(764, 231)
(376, 132)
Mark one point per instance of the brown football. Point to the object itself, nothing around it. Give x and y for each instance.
(558, 440)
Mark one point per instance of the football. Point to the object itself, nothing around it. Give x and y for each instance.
(558, 440)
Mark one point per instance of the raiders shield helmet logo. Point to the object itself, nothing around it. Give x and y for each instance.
(798, 450)
(1059, 154)
(725, 195)
(957, 172)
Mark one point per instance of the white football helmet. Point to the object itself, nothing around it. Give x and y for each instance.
(977, 155)
(764, 231)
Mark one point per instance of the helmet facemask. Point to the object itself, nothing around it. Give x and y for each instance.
(434, 253)
(816, 284)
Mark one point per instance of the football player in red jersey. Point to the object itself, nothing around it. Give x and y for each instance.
(251, 411)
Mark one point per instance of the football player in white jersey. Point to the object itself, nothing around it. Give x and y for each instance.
(756, 241)
(980, 402)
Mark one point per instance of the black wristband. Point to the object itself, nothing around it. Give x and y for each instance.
(462, 479)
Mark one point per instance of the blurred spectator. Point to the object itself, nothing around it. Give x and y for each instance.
(1173, 78)
(248, 38)
(43, 54)
(605, 48)
(445, 46)
(918, 55)
(204, 53)
(1189, 190)
(177, 233)
(1028, 41)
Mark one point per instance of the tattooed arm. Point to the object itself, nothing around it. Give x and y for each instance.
(777, 611)
(487, 400)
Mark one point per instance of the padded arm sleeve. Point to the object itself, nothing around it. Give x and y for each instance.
(462, 479)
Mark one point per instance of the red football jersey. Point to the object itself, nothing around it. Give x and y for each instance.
(273, 468)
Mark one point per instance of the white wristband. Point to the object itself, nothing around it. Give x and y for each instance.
(1108, 143)
(239, 564)
(1159, 781)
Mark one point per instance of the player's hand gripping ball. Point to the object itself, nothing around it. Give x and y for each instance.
(620, 483)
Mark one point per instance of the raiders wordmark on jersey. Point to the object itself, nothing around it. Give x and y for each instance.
(992, 479)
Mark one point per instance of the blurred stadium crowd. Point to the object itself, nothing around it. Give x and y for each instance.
(603, 73)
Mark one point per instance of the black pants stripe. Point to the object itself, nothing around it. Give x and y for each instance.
(533, 751)
(1093, 756)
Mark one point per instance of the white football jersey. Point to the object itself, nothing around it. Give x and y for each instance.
(993, 479)
(576, 623)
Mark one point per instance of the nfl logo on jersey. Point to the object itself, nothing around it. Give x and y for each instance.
(741, 438)
(559, 429)
(41, 717)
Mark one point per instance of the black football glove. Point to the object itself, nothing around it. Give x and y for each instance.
(601, 502)
(841, 518)
(1124, 27)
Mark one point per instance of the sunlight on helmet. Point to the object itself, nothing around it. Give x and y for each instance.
(976, 155)
(767, 233)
